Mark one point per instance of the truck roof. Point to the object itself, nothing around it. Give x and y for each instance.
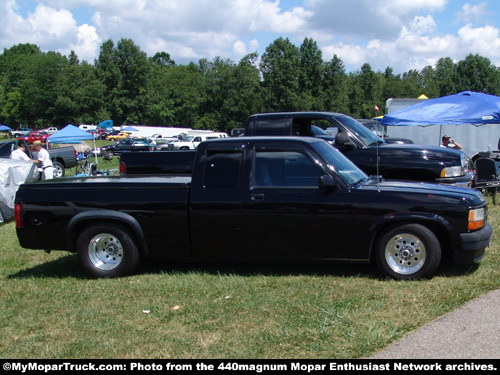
(296, 114)
(286, 139)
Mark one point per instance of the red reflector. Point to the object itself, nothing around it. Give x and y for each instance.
(18, 215)
(122, 168)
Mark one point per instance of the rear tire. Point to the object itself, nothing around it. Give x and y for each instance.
(107, 250)
(58, 170)
(406, 252)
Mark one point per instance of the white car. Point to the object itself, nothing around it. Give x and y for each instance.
(192, 141)
(51, 130)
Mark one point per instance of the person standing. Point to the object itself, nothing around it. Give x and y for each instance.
(20, 153)
(448, 142)
(44, 161)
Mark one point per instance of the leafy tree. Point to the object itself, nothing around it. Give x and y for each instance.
(446, 76)
(310, 75)
(162, 59)
(279, 67)
(335, 86)
(477, 73)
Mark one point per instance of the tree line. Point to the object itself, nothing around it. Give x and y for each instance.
(41, 89)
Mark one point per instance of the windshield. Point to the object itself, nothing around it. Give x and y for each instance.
(340, 164)
(364, 135)
(318, 131)
(188, 139)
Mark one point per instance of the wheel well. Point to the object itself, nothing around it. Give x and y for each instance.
(80, 226)
(60, 161)
(439, 231)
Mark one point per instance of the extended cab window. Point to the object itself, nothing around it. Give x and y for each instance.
(222, 169)
(285, 168)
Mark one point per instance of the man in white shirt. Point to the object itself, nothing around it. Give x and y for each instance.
(448, 142)
(20, 153)
(44, 161)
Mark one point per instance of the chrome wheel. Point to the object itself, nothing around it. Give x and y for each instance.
(405, 253)
(105, 252)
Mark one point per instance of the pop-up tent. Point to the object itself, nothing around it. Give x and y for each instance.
(4, 128)
(465, 108)
(471, 118)
(71, 134)
(130, 129)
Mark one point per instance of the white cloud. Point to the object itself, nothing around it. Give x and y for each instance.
(381, 19)
(473, 12)
(87, 47)
(403, 34)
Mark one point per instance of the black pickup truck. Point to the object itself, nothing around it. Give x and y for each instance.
(256, 199)
(368, 151)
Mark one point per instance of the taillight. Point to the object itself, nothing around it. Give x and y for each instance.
(18, 215)
(122, 168)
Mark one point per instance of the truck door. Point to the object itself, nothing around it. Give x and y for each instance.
(217, 226)
(287, 215)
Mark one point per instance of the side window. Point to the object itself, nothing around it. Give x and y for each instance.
(197, 139)
(222, 170)
(285, 169)
(272, 126)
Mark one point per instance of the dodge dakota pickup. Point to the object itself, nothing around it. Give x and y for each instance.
(368, 151)
(256, 199)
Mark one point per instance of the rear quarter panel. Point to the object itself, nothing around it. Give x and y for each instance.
(159, 205)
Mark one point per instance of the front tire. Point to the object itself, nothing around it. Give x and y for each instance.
(406, 252)
(107, 251)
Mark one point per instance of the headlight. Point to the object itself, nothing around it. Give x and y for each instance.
(452, 172)
(477, 218)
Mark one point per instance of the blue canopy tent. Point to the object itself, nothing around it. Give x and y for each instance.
(452, 113)
(130, 129)
(4, 128)
(71, 134)
(464, 108)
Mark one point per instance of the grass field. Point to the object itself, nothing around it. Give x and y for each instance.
(50, 309)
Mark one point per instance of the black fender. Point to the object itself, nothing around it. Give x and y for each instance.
(81, 220)
(442, 228)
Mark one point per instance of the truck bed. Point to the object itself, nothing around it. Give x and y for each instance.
(164, 204)
(157, 162)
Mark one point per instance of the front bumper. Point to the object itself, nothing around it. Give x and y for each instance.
(462, 181)
(473, 245)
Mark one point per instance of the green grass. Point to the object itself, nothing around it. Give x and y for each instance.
(50, 309)
(102, 164)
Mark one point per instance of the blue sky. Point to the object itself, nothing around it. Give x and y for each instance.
(402, 34)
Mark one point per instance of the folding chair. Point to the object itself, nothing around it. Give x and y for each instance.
(487, 176)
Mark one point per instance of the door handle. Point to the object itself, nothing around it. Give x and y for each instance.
(256, 197)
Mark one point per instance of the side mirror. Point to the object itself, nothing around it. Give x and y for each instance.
(327, 182)
(342, 140)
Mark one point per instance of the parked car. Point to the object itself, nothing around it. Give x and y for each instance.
(256, 199)
(118, 136)
(21, 132)
(34, 136)
(128, 145)
(98, 133)
(192, 141)
(51, 130)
